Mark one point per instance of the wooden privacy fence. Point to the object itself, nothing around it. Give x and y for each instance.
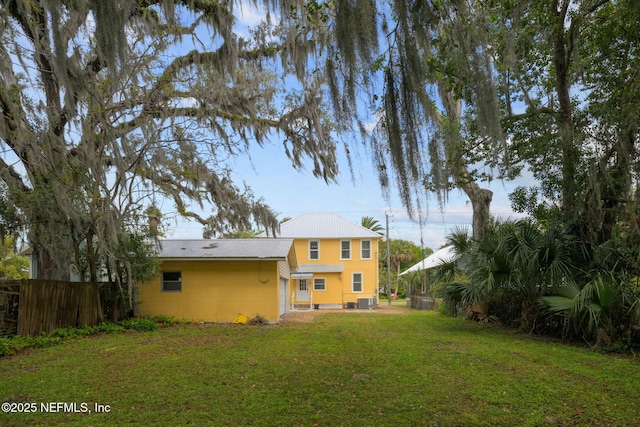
(9, 297)
(45, 305)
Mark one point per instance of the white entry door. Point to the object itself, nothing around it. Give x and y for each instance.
(303, 290)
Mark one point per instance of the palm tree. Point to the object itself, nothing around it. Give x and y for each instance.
(372, 224)
(515, 264)
(605, 310)
(589, 311)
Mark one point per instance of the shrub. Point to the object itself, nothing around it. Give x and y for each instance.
(258, 320)
(9, 346)
(139, 324)
(83, 331)
(6, 347)
(12, 345)
(108, 328)
(168, 320)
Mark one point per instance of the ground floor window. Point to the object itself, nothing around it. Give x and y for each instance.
(356, 283)
(171, 281)
(319, 285)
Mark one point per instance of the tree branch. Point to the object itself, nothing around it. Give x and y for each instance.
(11, 177)
(577, 20)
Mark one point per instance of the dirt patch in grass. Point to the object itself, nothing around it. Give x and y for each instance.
(309, 316)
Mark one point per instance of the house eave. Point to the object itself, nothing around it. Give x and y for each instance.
(201, 259)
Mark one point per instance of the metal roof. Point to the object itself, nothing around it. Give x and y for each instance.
(442, 256)
(320, 268)
(324, 225)
(276, 249)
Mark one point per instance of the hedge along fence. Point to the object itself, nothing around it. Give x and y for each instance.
(45, 305)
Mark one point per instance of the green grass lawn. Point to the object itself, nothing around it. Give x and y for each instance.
(343, 369)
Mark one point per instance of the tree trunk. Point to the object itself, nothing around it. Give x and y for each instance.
(480, 197)
(52, 247)
(91, 258)
(615, 181)
(570, 155)
(481, 202)
(51, 265)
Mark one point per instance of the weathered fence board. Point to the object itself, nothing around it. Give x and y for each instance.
(30, 307)
(46, 305)
(9, 297)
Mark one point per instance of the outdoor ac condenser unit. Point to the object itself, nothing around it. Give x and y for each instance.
(366, 303)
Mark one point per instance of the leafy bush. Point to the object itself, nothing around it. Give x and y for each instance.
(12, 345)
(83, 331)
(9, 346)
(108, 328)
(6, 347)
(168, 320)
(139, 324)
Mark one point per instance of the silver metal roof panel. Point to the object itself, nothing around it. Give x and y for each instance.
(226, 248)
(324, 226)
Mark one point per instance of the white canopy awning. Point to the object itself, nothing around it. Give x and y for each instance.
(436, 259)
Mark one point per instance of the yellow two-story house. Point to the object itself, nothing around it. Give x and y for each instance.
(337, 262)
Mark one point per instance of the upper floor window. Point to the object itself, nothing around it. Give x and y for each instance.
(345, 249)
(365, 249)
(314, 249)
(171, 281)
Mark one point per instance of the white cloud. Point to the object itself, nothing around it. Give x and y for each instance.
(250, 15)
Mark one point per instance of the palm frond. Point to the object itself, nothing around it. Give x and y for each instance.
(460, 239)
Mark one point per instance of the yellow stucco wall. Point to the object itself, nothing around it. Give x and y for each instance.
(215, 291)
(339, 285)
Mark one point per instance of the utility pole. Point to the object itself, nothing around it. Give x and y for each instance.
(388, 262)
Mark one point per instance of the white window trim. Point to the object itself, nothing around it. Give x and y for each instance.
(323, 281)
(345, 241)
(361, 282)
(317, 250)
(162, 289)
(370, 248)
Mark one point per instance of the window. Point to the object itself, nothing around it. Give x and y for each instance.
(171, 281)
(303, 285)
(319, 285)
(365, 249)
(345, 249)
(356, 282)
(314, 249)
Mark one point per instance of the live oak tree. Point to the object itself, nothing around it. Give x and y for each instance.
(611, 66)
(438, 121)
(546, 86)
(106, 107)
(573, 65)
